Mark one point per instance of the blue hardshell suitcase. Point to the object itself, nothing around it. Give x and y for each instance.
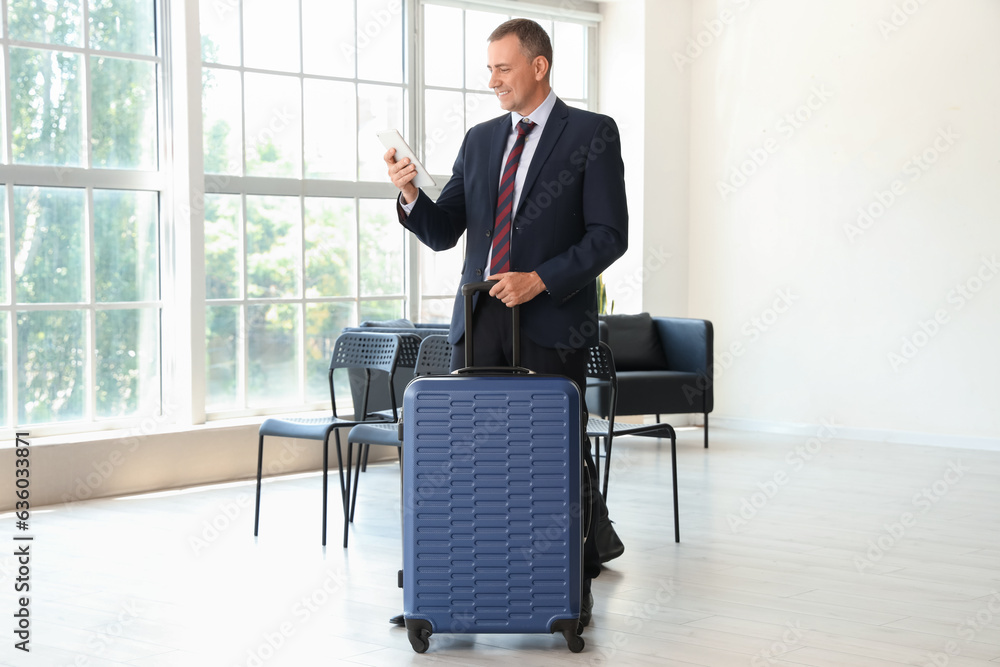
(492, 520)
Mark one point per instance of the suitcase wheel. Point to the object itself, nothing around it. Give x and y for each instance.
(574, 641)
(419, 639)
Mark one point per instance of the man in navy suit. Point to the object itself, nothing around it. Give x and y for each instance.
(569, 221)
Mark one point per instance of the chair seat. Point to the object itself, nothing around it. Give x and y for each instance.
(598, 428)
(375, 434)
(307, 428)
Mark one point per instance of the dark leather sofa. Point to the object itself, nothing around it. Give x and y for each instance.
(664, 366)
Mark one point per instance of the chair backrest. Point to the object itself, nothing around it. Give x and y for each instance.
(409, 350)
(368, 351)
(374, 351)
(601, 366)
(434, 357)
(601, 363)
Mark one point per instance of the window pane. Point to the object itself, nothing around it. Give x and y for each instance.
(478, 27)
(223, 333)
(570, 52)
(222, 114)
(440, 272)
(273, 343)
(379, 310)
(126, 245)
(4, 375)
(46, 107)
(330, 130)
(123, 113)
(123, 25)
(323, 324)
(46, 21)
(274, 246)
(274, 125)
(48, 245)
(381, 249)
(443, 46)
(328, 37)
(480, 108)
(128, 362)
(379, 108)
(436, 311)
(445, 129)
(271, 35)
(330, 247)
(380, 40)
(50, 366)
(4, 81)
(223, 223)
(4, 297)
(220, 32)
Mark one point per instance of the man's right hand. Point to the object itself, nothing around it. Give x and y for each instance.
(401, 174)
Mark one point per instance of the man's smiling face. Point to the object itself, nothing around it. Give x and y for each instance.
(519, 84)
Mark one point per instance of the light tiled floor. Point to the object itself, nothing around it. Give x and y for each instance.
(793, 552)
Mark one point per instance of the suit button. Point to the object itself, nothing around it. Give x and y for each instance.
(489, 233)
(479, 272)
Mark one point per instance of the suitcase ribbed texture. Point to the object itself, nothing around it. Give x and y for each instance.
(491, 492)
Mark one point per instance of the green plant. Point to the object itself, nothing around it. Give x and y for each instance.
(603, 307)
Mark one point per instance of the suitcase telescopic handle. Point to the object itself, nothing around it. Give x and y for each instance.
(470, 289)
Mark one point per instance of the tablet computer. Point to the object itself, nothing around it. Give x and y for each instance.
(393, 139)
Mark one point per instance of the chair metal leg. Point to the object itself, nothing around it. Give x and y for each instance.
(340, 466)
(607, 465)
(346, 495)
(357, 478)
(597, 455)
(673, 470)
(260, 465)
(364, 464)
(326, 458)
(706, 430)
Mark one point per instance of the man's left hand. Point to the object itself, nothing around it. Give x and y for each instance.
(516, 288)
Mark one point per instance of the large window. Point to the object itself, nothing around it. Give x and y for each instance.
(79, 201)
(300, 231)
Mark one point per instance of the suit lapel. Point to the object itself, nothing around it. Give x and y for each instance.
(550, 135)
(500, 133)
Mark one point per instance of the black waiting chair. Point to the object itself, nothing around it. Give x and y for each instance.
(371, 352)
(434, 358)
(601, 368)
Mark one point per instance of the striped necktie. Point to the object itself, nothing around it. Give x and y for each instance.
(500, 262)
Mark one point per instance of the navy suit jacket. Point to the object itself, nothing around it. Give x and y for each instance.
(570, 225)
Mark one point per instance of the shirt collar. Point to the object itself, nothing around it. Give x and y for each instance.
(539, 116)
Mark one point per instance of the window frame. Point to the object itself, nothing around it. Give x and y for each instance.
(86, 178)
(303, 188)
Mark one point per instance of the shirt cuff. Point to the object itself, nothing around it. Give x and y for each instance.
(406, 207)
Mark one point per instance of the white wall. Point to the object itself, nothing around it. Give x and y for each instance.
(819, 316)
(651, 103)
